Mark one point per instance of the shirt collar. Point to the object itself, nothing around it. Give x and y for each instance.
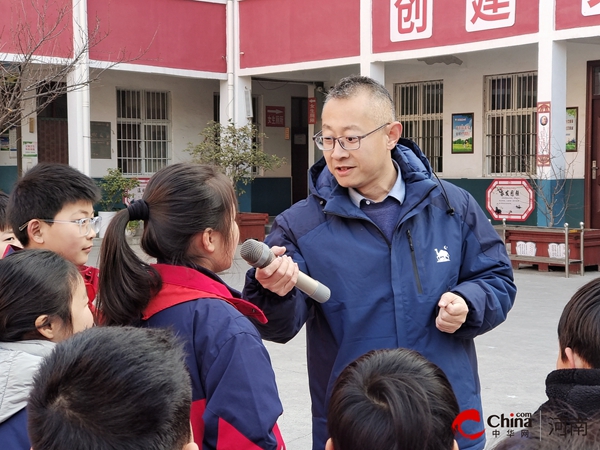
(398, 190)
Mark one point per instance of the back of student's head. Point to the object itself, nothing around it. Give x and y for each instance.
(179, 202)
(44, 191)
(579, 324)
(112, 388)
(34, 283)
(394, 400)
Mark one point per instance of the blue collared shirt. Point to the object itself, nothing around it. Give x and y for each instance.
(398, 191)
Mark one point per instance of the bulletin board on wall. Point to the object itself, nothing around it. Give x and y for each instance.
(101, 137)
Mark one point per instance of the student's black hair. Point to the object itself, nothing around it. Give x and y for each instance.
(394, 400)
(182, 200)
(3, 206)
(44, 191)
(579, 324)
(112, 388)
(34, 283)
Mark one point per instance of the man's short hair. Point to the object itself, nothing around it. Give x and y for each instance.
(44, 191)
(112, 388)
(392, 399)
(354, 84)
(579, 324)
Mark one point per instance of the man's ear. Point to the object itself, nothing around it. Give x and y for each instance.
(34, 231)
(46, 327)
(191, 446)
(394, 134)
(329, 444)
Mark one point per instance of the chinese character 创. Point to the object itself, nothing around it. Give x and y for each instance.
(411, 12)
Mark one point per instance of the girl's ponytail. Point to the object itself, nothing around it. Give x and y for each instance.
(126, 282)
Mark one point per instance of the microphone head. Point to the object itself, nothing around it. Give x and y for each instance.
(257, 254)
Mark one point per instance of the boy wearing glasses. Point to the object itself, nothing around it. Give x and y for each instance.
(52, 207)
(411, 261)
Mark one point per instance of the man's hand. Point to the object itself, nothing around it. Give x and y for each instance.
(453, 312)
(281, 275)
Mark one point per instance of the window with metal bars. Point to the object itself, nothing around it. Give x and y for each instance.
(420, 107)
(510, 123)
(143, 137)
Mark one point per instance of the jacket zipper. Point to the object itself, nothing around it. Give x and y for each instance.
(414, 262)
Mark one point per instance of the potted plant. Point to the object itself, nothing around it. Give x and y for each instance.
(238, 152)
(115, 187)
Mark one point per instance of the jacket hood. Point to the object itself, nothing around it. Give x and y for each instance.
(413, 164)
(18, 363)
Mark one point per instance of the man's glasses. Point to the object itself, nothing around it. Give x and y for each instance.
(85, 225)
(327, 143)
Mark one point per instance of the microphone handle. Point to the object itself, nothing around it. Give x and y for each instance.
(313, 288)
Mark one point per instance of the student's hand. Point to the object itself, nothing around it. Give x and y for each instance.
(453, 312)
(281, 275)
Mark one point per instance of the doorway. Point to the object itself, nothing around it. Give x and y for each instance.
(53, 131)
(299, 137)
(592, 156)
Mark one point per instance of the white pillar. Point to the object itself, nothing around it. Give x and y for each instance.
(368, 68)
(552, 87)
(78, 96)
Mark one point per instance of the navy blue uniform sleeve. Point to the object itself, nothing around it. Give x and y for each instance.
(286, 314)
(486, 276)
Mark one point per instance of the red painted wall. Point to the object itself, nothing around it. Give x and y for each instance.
(289, 31)
(181, 34)
(449, 25)
(40, 18)
(568, 15)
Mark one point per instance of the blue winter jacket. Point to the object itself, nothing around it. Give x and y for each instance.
(385, 294)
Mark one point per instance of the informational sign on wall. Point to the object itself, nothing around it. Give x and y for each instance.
(510, 199)
(100, 145)
(543, 134)
(275, 116)
(29, 149)
(312, 110)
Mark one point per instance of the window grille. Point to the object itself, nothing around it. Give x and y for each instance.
(510, 123)
(420, 107)
(143, 138)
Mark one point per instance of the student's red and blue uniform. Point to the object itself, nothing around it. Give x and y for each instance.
(235, 403)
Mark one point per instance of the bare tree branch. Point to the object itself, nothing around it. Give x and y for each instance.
(34, 76)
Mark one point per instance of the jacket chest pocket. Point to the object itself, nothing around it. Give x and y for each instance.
(434, 264)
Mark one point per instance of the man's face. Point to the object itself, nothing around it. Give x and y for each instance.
(65, 238)
(369, 168)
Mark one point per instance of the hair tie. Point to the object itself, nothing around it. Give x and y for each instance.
(138, 210)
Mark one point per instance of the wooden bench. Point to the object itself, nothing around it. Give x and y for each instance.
(510, 235)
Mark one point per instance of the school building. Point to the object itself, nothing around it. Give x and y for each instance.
(503, 96)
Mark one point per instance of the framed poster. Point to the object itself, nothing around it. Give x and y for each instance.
(571, 145)
(462, 133)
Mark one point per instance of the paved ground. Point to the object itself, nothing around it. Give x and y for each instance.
(514, 358)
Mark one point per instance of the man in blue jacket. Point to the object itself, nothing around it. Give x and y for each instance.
(411, 261)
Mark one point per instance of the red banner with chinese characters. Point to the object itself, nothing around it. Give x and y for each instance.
(312, 110)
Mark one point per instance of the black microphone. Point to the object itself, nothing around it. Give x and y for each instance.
(259, 255)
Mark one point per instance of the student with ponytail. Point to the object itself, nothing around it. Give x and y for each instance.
(189, 227)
